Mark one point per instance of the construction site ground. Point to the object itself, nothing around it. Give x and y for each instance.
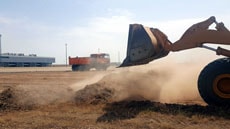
(57, 98)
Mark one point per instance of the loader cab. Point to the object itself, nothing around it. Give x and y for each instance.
(100, 61)
(106, 56)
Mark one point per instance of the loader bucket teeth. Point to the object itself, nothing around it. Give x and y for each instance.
(143, 45)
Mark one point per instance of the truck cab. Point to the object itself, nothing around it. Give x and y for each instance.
(99, 61)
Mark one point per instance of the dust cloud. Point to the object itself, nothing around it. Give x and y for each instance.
(27, 96)
(163, 81)
(42, 94)
(81, 84)
(168, 84)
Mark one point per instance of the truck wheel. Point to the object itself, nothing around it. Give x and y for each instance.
(214, 82)
(80, 67)
(75, 67)
(84, 68)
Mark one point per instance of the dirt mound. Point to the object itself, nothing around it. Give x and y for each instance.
(94, 94)
(115, 87)
(8, 100)
(130, 109)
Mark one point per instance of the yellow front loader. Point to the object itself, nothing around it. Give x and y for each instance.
(146, 44)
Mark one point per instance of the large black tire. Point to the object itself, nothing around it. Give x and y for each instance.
(80, 67)
(75, 67)
(214, 83)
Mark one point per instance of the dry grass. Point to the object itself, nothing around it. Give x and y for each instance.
(112, 115)
(132, 114)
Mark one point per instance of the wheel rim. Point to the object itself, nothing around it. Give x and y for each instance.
(221, 86)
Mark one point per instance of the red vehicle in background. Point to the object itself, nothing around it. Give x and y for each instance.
(100, 61)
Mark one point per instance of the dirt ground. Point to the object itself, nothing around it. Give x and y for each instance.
(58, 98)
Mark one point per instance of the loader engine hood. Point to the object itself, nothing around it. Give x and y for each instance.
(144, 45)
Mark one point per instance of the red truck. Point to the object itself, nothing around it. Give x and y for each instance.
(100, 61)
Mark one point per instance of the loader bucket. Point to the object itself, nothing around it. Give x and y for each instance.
(144, 45)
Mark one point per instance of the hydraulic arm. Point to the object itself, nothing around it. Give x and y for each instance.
(146, 44)
(198, 34)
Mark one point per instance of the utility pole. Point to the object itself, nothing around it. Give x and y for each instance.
(119, 57)
(66, 54)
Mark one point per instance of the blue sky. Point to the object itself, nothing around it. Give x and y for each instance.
(44, 27)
